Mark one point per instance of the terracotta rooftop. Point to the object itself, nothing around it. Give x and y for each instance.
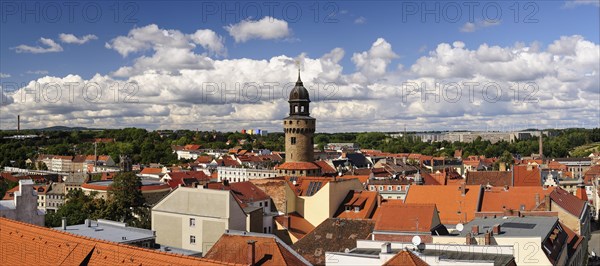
(568, 202)
(186, 178)
(243, 192)
(307, 186)
(492, 178)
(405, 258)
(204, 159)
(332, 235)
(275, 188)
(233, 247)
(452, 205)
(365, 201)
(527, 175)
(514, 198)
(403, 217)
(29, 245)
(325, 167)
(298, 166)
(151, 171)
(299, 226)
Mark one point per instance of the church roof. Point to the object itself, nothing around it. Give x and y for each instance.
(299, 93)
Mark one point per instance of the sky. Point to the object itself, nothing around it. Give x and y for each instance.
(368, 65)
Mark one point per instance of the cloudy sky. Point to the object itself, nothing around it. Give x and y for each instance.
(369, 66)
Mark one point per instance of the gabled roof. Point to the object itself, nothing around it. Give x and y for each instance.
(452, 205)
(295, 224)
(332, 235)
(514, 198)
(527, 175)
(243, 192)
(233, 247)
(204, 159)
(366, 201)
(405, 258)
(325, 167)
(186, 178)
(404, 217)
(34, 242)
(568, 202)
(492, 178)
(305, 185)
(151, 171)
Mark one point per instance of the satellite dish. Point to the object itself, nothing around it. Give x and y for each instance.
(460, 227)
(416, 240)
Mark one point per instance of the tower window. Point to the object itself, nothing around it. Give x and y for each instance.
(296, 109)
(293, 140)
(301, 108)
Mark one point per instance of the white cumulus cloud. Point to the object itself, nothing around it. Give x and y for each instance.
(267, 28)
(70, 38)
(51, 47)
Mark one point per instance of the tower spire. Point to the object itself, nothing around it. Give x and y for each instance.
(298, 66)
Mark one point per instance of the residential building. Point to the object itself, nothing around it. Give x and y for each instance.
(24, 206)
(195, 218)
(577, 166)
(54, 197)
(390, 188)
(572, 212)
(237, 174)
(527, 175)
(152, 190)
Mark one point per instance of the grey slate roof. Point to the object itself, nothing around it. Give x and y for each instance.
(110, 231)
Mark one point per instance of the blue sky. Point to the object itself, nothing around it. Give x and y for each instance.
(351, 25)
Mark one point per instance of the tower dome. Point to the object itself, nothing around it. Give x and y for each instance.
(299, 99)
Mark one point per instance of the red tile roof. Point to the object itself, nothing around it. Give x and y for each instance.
(405, 258)
(568, 202)
(453, 206)
(366, 201)
(298, 166)
(27, 244)
(492, 178)
(151, 171)
(498, 199)
(297, 226)
(325, 167)
(306, 185)
(527, 175)
(403, 217)
(243, 192)
(186, 178)
(268, 251)
(204, 159)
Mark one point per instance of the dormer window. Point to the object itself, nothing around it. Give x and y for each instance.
(356, 209)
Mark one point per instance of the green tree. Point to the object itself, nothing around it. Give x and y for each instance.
(126, 197)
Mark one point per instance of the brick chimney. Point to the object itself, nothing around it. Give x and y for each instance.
(463, 189)
(496, 229)
(487, 239)
(547, 202)
(537, 199)
(469, 239)
(475, 230)
(251, 252)
(378, 200)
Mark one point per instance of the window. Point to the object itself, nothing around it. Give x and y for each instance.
(356, 209)
(264, 230)
(301, 108)
(192, 222)
(193, 240)
(380, 188)
(293, 140)
(372, 188)
(260, 204)
(266, 204)
(398, 188)
(389, 188)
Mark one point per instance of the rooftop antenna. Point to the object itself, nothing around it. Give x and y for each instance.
(298, 66)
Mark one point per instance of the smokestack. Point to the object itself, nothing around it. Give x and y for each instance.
(64, 223)
(251, 252)
(541, 151)
(18, 123)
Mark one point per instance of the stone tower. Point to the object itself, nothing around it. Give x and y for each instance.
(299, 127)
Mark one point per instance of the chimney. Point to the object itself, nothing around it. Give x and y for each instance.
(378, 201)
(502, 167)
(88, 222)
(386, 248)
(496, 229)
(64, 223)
(487, 239)
(537, 199)
(547, 202)
(541, 151)
(463, 189)
(251, 252)
(469, 239)
(475, 230)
